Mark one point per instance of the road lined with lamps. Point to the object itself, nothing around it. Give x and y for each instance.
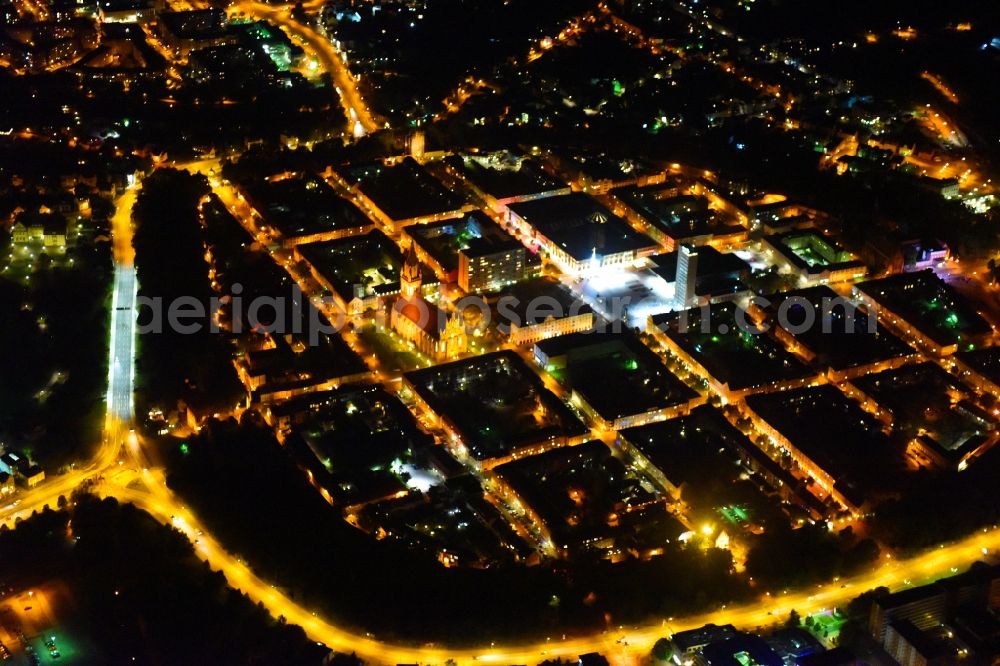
(124, 469)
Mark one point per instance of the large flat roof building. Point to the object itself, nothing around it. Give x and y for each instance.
(541, 308)
(472, 251)
(814, 257)
(579, 234)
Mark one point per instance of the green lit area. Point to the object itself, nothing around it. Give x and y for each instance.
(737, 515)
(273, 42)
(825, 625)
(67, 649)
(259, 31)
(620, 378)
(815, 251)
(280, 56)
(943, 312)
(933, 306)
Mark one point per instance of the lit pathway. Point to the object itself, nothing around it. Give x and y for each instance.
(360, 119)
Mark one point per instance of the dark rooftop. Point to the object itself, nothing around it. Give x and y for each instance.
(690, 448)
(303, 206)
(581, 226)
(496, 402)
(711, 262)
(931, 305)
(578, 491)
(402, 191)
(452, 517)
(233, 64)
(985, 361)
(372, 261)
(923, 398)
(617, 375)
(812, 252)
(195, 23)
(473, 234)
(733, 356)
(600, 167)
(533, 301)
(838, 656)
(356, 433)
(839, 334)
(835, 433)
(678, 216)
(297, 365)
(923, 642)
(741, 650)
(504, 176)
(709, 459)
(718, 273)
(695, 638)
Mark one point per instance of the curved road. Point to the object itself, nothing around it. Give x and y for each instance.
(626, 646)
(359, 116)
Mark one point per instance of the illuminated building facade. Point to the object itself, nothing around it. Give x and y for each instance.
(484, 268)
(422, 323)
(687, 272)
(578, 234)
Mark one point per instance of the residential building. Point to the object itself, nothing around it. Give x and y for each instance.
(485, 267)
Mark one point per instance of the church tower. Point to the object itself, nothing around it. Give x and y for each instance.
(454, 340)
(409, 277)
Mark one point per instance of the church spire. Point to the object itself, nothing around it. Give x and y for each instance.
(410, 277)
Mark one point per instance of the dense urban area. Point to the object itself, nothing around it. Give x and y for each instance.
(449, 331)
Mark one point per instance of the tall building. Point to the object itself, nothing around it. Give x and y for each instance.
(930, 606)
(484, 265)
(687, 272)
(410, 278)
(415, 143)
(910, 646)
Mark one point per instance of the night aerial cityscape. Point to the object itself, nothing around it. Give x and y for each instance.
(513, 332)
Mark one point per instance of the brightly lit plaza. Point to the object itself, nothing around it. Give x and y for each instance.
(628, 293)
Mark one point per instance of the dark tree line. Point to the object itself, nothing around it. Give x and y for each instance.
(58, 323)
(784, 557)
(174, 366)
(140, 593)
